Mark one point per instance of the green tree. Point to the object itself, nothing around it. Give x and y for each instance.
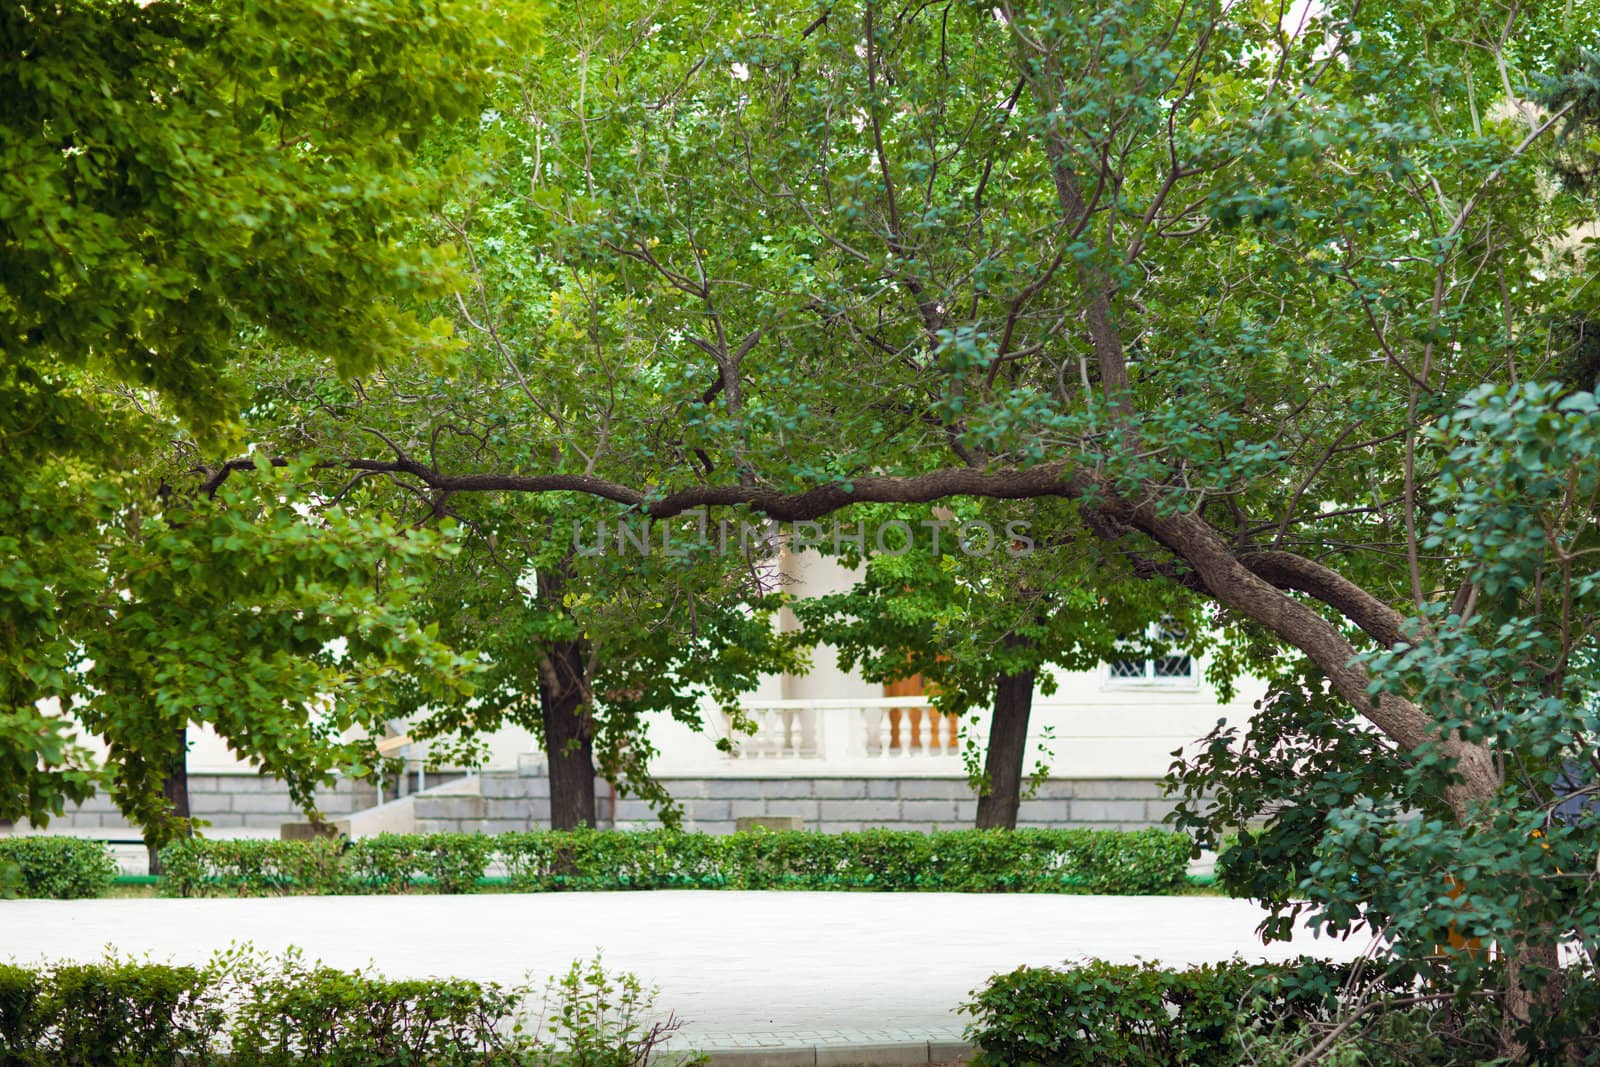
(1212, 272)
(178, 182)
(555, 358)
(585, 648)
(982, 621)
(288, 634)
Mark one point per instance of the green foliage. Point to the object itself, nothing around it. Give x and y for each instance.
(1106, 1013)
(180, 182)
(595, 1019)
(1356, 833)
(247, 1010)
(174, 174)
(59, 868)
(288, 631)
(1231, 1013)
(111, 1014)
(1261, 796)
(962, 611)
(250, 868)
(393, 863)
(22, 1022)
(314, 1016)
(971, 861)
(522, 597)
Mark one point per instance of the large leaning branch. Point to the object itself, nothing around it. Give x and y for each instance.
(1256, 585)
(1029, 483)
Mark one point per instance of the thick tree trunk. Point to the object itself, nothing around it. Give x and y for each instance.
(1523, 1004)
(1008, 743)
(568, 737)
(175, 786)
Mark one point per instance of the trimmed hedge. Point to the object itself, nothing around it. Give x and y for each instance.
(60, 868)
(1263, 1015)
(1101, 1013)
(968, 861)
(127, 1014)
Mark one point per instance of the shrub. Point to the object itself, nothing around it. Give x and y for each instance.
(21, 1021)
(596, 1020)
(132, 1013)
(1028, 861)
(243, 1011)
(109, 1014)
(1099, 1014)
(57, 867)
(199, 867)
(1144, 861)
(1388, 1013)
(398, 863)
(319, 1017)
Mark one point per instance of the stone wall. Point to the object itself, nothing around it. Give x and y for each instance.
(506, 800)
(520, 800)
(227, 802)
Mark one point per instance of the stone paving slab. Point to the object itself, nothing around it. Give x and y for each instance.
(802, 974)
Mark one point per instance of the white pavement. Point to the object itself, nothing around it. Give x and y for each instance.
(742, 969)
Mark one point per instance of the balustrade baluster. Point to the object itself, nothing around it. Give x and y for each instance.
(878, 728)
(767, 732)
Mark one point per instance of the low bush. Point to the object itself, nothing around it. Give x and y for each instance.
(243, 1010)
(56, 867)
(395, 863)
(1028, 861)
(1264, 1015)
(252, 868)
(320, 1017)
(1106, 1013)
(116, 1014)
(600, 1020)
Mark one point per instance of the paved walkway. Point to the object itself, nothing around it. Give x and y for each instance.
(744, 970)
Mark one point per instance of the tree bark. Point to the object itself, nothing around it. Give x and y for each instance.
(175, 787)
(1522, 1004)
(1008, 742)
(568, 737)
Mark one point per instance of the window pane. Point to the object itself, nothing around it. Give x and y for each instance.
(1174, 667)
(1127, 668)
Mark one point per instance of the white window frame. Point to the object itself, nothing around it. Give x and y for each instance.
(1149, 679)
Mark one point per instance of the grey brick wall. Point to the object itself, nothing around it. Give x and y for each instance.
(520, 800)
(226, 801)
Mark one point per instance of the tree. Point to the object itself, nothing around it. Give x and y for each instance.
(584, 647)
(982, 620)
(1211, 272)
(290, 634)
(1348, 827)
(583, 640)
(176, 178)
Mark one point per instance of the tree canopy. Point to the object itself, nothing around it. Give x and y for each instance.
(181, 183)
(1285, 306)
(1230, 279)
(985, 622)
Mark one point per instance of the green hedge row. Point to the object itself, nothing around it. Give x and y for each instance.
(240, 1011)
(1032, 861)
(1263, 1015)
(1104, 1013)
(54, 867)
